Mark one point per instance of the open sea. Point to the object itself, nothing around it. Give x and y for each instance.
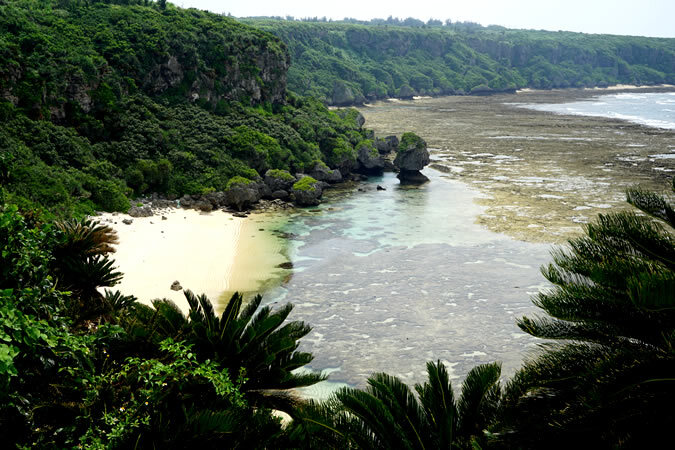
(651, 109)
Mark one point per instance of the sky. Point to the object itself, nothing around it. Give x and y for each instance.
(628, 17)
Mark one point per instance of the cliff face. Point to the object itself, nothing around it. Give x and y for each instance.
(61, 61)
(347, 63)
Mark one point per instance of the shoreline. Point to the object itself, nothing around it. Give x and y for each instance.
(214, 253)
(585, 90)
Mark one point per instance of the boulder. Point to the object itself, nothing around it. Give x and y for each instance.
(204, 205)
(412, 177)
(241, 193)
(369, 158)
(162, 203)
(140, 211)
(279, 180)
(387, 144)
(217, 199)
(127, 221)
(280, 195)
(322, 172)
(186, 201)
(412, 153)
(307, 192)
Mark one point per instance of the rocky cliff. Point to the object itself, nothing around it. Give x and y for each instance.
(345, 63)
(83, 58)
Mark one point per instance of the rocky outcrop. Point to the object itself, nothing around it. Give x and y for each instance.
(387, 144)
(236, 83)
(216, 199)
(321, 172)
(369, 159)
(307, 191)
(412, 153)
(242, 193)
(343, 95)
(279, 180)
(140, 211)
(412, 177)
(412, 156)
(164, 76)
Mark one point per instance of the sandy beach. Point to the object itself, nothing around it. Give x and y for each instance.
(211, 253)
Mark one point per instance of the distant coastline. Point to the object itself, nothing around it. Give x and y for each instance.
(582, 92)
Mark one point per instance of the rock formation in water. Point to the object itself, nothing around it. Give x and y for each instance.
(412, 157)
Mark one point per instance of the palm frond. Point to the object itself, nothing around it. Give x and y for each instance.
(117, 301)
(438, 401)
(379, 427)
(478, 404)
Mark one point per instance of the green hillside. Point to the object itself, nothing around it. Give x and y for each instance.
(346, 63)
(100, 102)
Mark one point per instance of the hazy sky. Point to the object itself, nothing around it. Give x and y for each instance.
(633, 17)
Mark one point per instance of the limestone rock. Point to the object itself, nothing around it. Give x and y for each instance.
(412, 153)
(241, 195)
(217, 199)
(279, 180)
(140, 211)
(307, 192)
(280, 195)
(387, 144)
(344, 95)
(369, 158)
(186, 201)
(322, 172)
(412, 177)
(204, 205)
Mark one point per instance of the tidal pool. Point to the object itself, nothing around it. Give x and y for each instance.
(390, 279)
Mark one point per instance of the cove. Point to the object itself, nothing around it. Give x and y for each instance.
(390, 279)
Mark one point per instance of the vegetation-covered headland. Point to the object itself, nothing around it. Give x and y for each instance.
(103, 101)
(346, 63)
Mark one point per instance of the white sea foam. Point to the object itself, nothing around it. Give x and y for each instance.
(642, 108)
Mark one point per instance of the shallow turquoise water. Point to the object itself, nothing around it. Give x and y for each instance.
(391, 279)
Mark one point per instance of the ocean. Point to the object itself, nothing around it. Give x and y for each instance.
(651, 109)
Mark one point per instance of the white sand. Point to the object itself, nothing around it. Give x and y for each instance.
(196, 249)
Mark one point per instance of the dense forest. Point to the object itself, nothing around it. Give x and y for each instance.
(348, 63)
(101, 101)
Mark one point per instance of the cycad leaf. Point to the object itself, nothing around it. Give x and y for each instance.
(476, 405)
(439, 404)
